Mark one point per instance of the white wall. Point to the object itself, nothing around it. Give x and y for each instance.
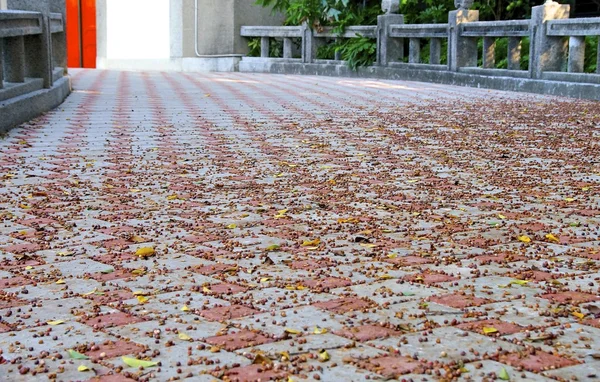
(137, 29)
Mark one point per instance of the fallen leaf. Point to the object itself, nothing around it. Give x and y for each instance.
(319, 330)
(139, 272)
(518, 282)
(184, 337)
(524, 238)
(273, 247)
(65, 253)
(503, 375)
(323, 355)
(311, 243)
(553, 238)
(501, 216)
(133, 362)
(60, 282)
(292, 331)
(569, 200)
(145, 252)
(76, 355)
(215, 349)
(232, 226)
(185, 308)
(137, 239)
(489, 330)
(205, 289)
(265, 279)
(578, 314)
(392, 255)
(83, 368)
(57, 322)
(142, 299)
(172, 197)
(385, 277)
(348, 220)
(261, 359)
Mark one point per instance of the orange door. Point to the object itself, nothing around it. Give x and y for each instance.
(81, 33)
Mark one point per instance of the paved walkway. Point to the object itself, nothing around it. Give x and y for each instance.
(245, 227)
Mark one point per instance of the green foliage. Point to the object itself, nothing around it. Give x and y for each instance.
(275, 47)
(591, 52)
(426, 11)
(359, 51)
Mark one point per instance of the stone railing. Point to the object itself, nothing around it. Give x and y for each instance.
(32, 58)
(555, 62)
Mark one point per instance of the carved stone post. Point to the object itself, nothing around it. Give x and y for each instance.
(462, 51)
(389, 49)
(309, 44)
(14, 52)
(546, 53)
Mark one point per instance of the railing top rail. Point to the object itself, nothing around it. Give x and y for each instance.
(418, 30)
(574, 27)
(19, 23)
(271, 31)
(509, 28)
(56, 23)
(350, 32)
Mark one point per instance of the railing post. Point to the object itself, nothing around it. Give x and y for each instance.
(14, 58)
(287, 47)
(546, 53)
(489, 52)
(462, 51)
(338, 53)
(309, 44)
(414, 50)
(576, 54)
(264, 47)
(598, 58)
(388, 49)
(514, 53)
(435, 51)
(1, 63)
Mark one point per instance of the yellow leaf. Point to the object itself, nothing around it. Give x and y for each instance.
(9, 175)
(501, 216)
(385, 277)
(311, 243)
(578, 314)
(413, 181)
(489, 330)
(323, 355)
(392, 255)
(65, 253)
(140, 293)
(524, 239)
(184, 337)
(135, 190)
(215, 349)
(553, 238)
(206, 290)
(265, 279)
(292, 331)
(185, 308)
(348, 220)
(137, 239)
(29, 267)
(83, 368)
(319, 330)
(60, 282)
(368, 245)
(24, 206)
(273, 247)
(145, 252)
(54, 323)
(232, 226)
(569, 200)
(142, 299)
(139, 271)
(518, 282)
(585, 188)
(133, 362)
(172, 197)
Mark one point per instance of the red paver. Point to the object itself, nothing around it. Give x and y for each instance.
(325, 283)
(595, 322)
(212, 269)
(115, 349)
(253, 373)
(537, 276)
(226, 288)
(4, 328)
(570, 297)
(112, 319)
(310, 264)
(15, 282)
(459, 301)
(367, 332)
(537, 362)
(115, 275)
(499, 258)
(238, 340)
(21, 248)
(429, 278)
(502, 327)
(110, 378)
(392, 366)
(110, 296)
(343, 305)
(222, 313)
(406, 261)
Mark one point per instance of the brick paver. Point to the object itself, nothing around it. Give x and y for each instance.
(251, 227)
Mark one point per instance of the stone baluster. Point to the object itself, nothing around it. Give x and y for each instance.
(546, 53)
(14, 58)
(287, 47)
(435, 51)
(489, 52)
(598, 58)
(462, 51)
(514, 53)
(414, 50)
(389, 49)
(576, 54)
(264, 47)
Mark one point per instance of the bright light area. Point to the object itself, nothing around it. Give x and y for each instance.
(137, 29)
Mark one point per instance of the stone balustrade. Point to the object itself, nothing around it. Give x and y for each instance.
(554, 63)
(32, 59)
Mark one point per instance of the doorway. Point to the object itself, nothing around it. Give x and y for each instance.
(81, 33)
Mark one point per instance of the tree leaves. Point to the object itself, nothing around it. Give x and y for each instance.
(76, 355)
(134, 362)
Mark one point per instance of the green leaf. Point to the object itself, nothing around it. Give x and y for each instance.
(503, 375)
(134, 362)
(76, 355)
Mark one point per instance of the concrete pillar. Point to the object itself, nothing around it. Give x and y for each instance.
(576, 54)
(462, 51)
(435, 51)
(514, 53)
(547, 53)
(14, 58)
(489, 52)
(388, 49)
(1, 64)
(414, 50)
(598, 58)
(287, 47)
(310, 44)
(264, 47)
(59, 40)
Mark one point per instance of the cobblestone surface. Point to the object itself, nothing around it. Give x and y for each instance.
(254, 227)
